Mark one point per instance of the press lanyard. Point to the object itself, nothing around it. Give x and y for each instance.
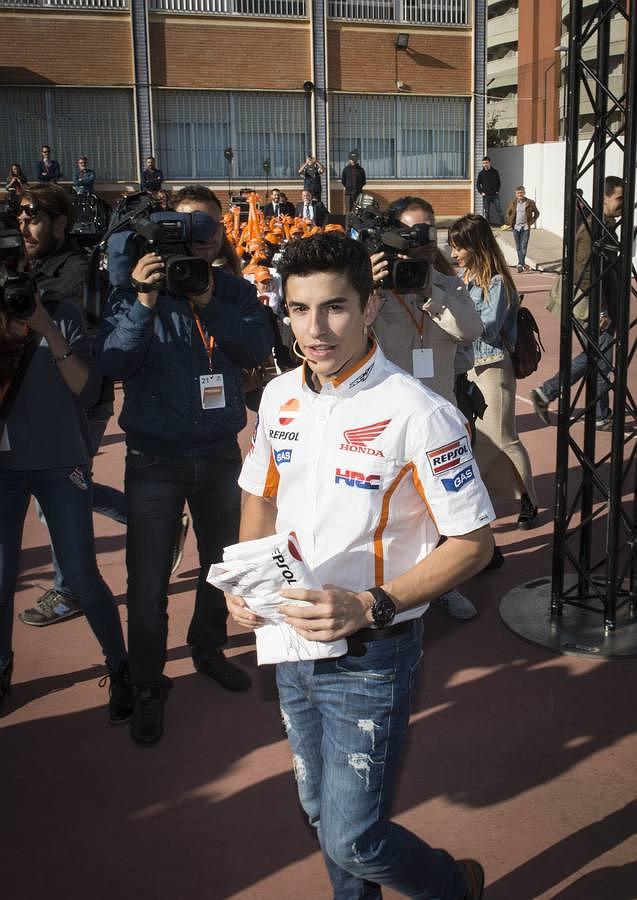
(420, 328)
(208, 343)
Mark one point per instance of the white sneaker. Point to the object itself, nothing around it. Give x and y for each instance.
(457, 605)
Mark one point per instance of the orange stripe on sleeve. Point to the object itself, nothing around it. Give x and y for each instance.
(379, 561)
(421, 493)
(271, 479)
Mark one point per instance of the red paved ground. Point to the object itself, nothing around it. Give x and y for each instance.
(523, 759)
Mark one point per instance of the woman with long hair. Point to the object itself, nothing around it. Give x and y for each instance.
(489, 282)
(47, 376)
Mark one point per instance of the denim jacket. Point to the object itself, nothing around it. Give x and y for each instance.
(499, 321)
(159, 356)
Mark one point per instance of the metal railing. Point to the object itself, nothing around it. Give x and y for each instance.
(273, 8)
(65, 4)
(417, 12)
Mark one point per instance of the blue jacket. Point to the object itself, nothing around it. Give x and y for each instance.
(499, 321)
(159, 355)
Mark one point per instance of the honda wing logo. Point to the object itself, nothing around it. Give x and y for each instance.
(358, 438)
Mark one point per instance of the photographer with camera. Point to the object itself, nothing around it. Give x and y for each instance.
(178, 334)
(311, 170)
(46, 378)
(425, 314)
(45, 219)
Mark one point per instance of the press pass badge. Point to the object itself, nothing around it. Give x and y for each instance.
(422, 362)
(213, 395)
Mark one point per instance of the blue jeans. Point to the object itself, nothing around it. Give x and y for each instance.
(488, 205)
(107, 501)
(521, 239)
(346, 720)
(579, 364)
(156, 490)
(65, 497)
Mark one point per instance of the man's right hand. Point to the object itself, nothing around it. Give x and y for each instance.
(241, 614)
(380, 267)
(149, 270)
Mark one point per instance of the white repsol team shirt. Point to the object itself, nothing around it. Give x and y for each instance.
(368, 473)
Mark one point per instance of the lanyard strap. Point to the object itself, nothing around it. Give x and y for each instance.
(208, 343)
(420, 328)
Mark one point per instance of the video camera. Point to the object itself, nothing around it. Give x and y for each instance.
(17, 291)
(169, 234)
(382, 232)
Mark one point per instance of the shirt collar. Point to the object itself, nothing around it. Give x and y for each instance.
(354, 378)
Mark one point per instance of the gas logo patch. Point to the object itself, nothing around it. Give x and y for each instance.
(458, 481)
(450, 456)
(283, 456)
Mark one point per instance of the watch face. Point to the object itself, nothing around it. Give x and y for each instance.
(383, 610)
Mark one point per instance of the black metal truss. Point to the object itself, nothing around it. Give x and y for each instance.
(595, 495)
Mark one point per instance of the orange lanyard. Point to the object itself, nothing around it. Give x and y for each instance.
(208, 343)
(420, 328)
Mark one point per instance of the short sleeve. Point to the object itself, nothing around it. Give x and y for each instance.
(446, 474)
(259, 474)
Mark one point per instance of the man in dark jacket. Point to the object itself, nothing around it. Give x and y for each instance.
(152, 177)
(488, 186)
(181, 361)
(353, 179)
(311, 209)
(48, 169)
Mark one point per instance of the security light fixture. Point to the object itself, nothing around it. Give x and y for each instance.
(402, 41)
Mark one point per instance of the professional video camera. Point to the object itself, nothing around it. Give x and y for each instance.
(17, 291)
(382, 232)
(169, 234)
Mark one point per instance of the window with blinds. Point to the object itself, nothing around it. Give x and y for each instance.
(401, 137)
(96, 122)
(419, 12)
(192, 128)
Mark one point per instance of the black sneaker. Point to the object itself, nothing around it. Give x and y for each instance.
(604, 424)
(225, 673)
(120, 695)
(52, 607)
(178, 549)
(5, 679)
(528, 513)
(473, 874)
(147, 722)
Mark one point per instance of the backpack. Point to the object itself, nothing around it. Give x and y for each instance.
(527, 352)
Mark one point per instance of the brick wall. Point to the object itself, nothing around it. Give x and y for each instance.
(446, 201)
(209, 53)
(365, 60)
(66, 49)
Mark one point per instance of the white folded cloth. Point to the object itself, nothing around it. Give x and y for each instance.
(258, 571)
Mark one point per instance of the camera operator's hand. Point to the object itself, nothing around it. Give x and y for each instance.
(203, 299)
(149, 270)
(380, 267)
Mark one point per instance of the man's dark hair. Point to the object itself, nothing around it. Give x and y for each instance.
(45, 147)
(486, 159)
(398, 207)
(53, 200)
(331, 252)
(197, 193)
(611, 183)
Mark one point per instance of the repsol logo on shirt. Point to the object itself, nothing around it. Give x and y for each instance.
(283, 435)
(357, 479)
(281, 564)
(451, 455)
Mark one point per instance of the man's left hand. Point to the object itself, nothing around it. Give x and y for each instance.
(335, 612)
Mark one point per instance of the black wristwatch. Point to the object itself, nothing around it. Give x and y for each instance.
(383, 607)
(143, 287)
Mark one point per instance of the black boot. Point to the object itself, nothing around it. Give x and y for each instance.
(147, 723)
(528, 513)
(120, 699)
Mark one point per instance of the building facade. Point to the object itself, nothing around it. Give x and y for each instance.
(527, 57)
(184, 80)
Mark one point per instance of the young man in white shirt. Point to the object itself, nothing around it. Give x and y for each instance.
(368, 467)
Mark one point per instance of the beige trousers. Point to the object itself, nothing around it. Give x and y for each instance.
(501, 456)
